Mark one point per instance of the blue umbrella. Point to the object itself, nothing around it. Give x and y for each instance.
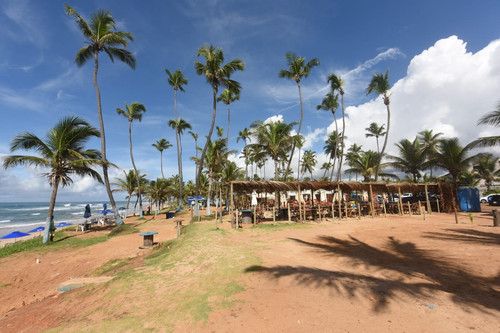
(106, 211)
(63, 224)
(37, 229)
(87, 213)
(15, 234)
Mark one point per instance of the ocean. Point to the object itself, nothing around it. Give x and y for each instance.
(25, 216)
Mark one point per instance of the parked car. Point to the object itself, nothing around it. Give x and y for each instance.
(486, 198)
(494, 200)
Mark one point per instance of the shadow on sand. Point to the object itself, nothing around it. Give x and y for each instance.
(395, 264)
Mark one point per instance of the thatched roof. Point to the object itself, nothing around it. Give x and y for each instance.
(274, 186)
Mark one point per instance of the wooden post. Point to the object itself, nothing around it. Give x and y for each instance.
(237, 225)
(274, 215)
(345, 209)
(400, 202)
(421, 212)
(385, 210)
(409, 208)
(300, 204)
(437, 202)
(333, 212)
(429, 209)
(319, 212)
(289, 217)
(254, 214)
(371, 202)
(359, 210)
(340, 202)
(231, 205)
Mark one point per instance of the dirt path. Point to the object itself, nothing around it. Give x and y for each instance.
(394, 274)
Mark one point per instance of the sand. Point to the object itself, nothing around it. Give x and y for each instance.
(394, 274)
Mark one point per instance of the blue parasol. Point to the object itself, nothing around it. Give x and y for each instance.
(63, 224)
(37, 229)
(15, 234)
(87, 213)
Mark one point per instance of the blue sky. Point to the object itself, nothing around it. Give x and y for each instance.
(444, 60)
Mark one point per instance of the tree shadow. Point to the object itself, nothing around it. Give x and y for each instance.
(400, 262)
(466, 235)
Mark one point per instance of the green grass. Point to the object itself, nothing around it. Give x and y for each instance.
(182, 281)
(63, 240)
(279, 226)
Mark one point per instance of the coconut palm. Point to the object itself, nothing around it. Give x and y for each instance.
(376, 131)
(430, 141)
(63, 153)
(101, 35)
(331, 148)
(492, 118)
(217, 74)
(297, 69)
(126, 184)
(162, 145)
(325, 166)
(380, 84)
(308, 162)
(177, 81)
(227, 97)
(245, 134)
(485, 167)
(179, 126)
(195, 137)
(131, 112)
(337, 84)
(411, 159)
(330, 103)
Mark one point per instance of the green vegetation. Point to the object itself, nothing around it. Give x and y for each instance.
(279, 226)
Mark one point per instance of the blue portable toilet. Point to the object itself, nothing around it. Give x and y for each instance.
(468, 199)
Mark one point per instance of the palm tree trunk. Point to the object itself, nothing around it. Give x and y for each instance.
(181, 181)
(386, 101)
(228, 124)
(208, 212)
(137, 178)
(339, 174)
(49, 222)
(298, 131)
(177, 138)
(336, 143)
(103, 142)
(161, 163)
(204, 151)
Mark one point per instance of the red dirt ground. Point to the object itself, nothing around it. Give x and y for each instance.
(394, 274)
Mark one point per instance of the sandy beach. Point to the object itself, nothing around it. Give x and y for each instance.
(393, 274)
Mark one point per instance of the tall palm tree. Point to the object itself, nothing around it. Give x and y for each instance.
(227, 97)
(380, 84)
(245, 134)
(62, 152)
(177, 81)
(325, 166)
(330, 103)
(365, 164)
(162, 145)
(493, 119)
(133, 111)
(376, 131)
(411, 159)
(297, 69)
(195, 137)
(179, 126)
(331, 148)
(337, 84)
(217, 74)
(430, 142)
(353, 154)
(308, 162)
(101, 35)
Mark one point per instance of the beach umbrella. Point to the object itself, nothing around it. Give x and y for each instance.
(106, 211)
(87, 213)
(63, 224)
(15, 234)
(37, 229)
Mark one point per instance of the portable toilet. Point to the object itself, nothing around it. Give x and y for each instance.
(468, 199)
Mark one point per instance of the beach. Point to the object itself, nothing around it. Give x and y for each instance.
(382, 274)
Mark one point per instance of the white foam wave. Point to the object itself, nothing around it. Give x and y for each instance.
(21, 225)
(35, 214)
(4, 221)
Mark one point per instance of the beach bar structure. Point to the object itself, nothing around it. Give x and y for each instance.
(441, 194)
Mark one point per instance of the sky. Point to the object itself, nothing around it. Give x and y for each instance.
(443, 59)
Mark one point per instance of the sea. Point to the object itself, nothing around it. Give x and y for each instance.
(26, 216)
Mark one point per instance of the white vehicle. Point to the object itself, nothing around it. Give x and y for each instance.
(486, 198)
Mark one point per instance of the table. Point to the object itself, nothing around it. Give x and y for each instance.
(148, 239)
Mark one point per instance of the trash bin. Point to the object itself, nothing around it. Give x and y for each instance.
(496, 217)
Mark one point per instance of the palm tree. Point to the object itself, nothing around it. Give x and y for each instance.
(177, 80)
(331, 148)
(365, 164)
(325, 166)
(195, 137)
(179, 126)
(217, 74)
(374, 130)
(492, 118)
(62, 152)
(227, 97)
(297, 69)
(485, 167)
(411, 159)
(309, 162)
(101, 35)
(275, 140)
(337, 84)
(245, 134)
(430, 141)
(131, 112)
(353, 154)
(127, 184)
(162, 145)
(380, 84)
(330, 103)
